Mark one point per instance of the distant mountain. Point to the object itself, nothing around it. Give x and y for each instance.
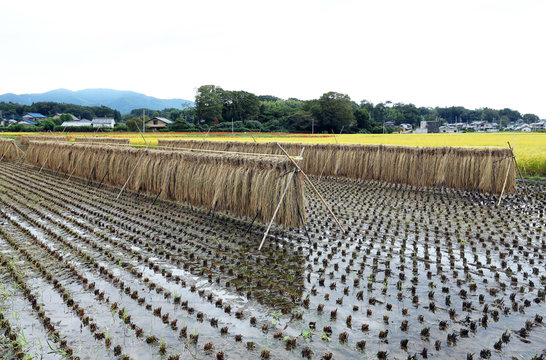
(124, 101)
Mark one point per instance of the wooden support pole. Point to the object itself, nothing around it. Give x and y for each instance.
(159, 193)
(141, 134)
(304, 227)
(101, 180)
(280, 201)
(504, 185)
(517, 167)
(313, 187)
(90, 174)
(252, 223)
(132, 171)
(72, 173)
(212, 215)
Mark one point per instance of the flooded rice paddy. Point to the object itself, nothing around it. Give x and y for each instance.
(420, 273)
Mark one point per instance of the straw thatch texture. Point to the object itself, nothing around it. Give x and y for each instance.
(241, 185)
(8, 149)
(25, 139)
(106, 140)
(474, 169)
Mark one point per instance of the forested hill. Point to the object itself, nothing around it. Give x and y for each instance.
(123, 101)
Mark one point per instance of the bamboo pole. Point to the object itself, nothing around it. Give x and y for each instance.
(132, 171)
(280, 201)
(518, 168)
(313, 187)
(45, 162)
(72, 173)
(504, 185)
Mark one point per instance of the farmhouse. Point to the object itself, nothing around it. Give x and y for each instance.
(103, 123)
(27, 122)
(428, 127)
(157, 123)
(76, 123)
(34, 117)
(58, 116)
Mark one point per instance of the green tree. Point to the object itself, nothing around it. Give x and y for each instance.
(279, 109)
(133, 124)
(48, 125)
(530, 118)
(509, 114)
(63, 118)
(301, 121)
(334, 112)
(208, 103)
(180, 124)
(175, 114)
(490, 115)
(363, 120)
(239, 105)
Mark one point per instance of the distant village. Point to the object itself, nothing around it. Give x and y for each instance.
(426, 127)
(34, 119)
(430, 127)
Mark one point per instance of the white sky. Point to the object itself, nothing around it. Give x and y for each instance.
(473, 53)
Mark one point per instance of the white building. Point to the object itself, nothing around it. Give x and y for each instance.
(539, 125)
(103, 123)
(76, 123)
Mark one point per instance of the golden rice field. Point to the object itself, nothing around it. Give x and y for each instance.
(529, 148)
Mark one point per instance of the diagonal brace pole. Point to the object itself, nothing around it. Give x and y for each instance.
(313, 187)
(517, 167)
(279, 204)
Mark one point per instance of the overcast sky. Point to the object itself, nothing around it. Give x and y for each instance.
(473, 53)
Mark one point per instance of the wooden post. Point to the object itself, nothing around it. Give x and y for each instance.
(72, 173)
(252, 223)
(132, 171)
(159, 193)
(90, 174)
(280, 201)
(304, 227)
(213, 209)
(517, 167)
(141, 134)
(45, 162)
(504, 185)
(313, 187)
(335, 138)
(101, 180)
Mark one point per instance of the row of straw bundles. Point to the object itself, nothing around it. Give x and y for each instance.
(25, 139)
(241, 185)
(105, 140)
(474, 169)
(8, 149)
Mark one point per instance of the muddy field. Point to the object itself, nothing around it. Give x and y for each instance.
(421, 273)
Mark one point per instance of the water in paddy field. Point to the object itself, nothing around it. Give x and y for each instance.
(434, 273)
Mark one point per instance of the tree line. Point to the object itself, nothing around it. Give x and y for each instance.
(225, 110)
(333, 111)
(50, 109)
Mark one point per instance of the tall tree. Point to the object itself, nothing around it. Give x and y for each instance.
(530, 118)
(208, 103)
(363, 120)
(334, 112)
